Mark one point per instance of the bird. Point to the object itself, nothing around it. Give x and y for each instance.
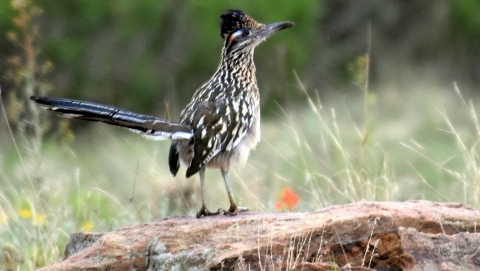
(221, 123)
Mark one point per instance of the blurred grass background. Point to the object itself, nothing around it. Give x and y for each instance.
(409, 132)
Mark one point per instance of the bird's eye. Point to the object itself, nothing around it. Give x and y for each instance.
(246, 32)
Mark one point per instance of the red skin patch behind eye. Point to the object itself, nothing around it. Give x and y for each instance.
(231, 38)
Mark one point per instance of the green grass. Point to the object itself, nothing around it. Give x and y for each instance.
(106, 178)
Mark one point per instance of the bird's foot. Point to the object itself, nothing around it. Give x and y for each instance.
(234, 210)
(205, 212)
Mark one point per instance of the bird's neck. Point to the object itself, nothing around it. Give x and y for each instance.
(237, 66)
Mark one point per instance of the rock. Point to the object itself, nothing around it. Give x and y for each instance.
(413, 235)
(80, 241)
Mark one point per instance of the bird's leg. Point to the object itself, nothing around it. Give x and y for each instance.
(233, 210)
(204, 211)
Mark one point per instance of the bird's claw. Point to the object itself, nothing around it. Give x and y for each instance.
(205, 212)
(234, 210)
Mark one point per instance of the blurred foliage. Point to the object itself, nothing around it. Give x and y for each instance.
(139, 54)
(25, 69)
(467, 20)
(150, 55)
(6, 25)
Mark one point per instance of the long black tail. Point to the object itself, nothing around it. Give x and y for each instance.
(151, 127)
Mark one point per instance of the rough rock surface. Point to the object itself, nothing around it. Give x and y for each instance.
(414, 235)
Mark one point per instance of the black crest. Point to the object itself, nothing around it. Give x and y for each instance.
(234, 20)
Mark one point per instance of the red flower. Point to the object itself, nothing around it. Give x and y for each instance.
(289, 200)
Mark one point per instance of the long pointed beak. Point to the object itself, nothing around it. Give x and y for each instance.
(273, 28)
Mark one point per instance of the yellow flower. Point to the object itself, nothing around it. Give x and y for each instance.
(87, 226)
(39, 219)
(25, 213)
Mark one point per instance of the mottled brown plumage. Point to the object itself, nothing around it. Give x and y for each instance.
(219, 126)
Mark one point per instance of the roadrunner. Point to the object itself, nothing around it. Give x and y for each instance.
(219, 126)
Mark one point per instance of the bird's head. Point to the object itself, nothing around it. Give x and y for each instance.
(240, 32)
